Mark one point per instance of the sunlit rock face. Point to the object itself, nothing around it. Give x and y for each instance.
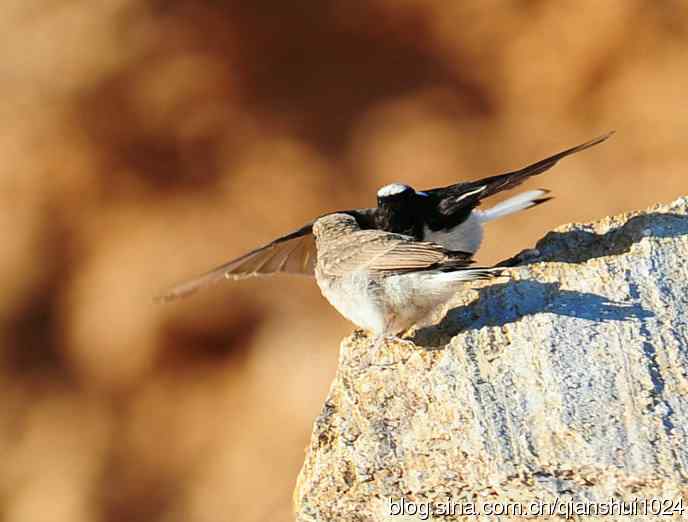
(568, 381)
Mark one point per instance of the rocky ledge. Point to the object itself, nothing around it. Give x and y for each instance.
(564, 386)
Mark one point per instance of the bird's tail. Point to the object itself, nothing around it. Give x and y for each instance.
(439, 287)
(473, 274)
(517, 203)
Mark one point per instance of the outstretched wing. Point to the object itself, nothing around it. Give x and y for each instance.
(293, 253)
(463, 197)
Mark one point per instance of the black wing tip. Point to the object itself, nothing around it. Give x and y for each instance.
(599, 139)
(540, 201)
(553, 160)
(544, 198)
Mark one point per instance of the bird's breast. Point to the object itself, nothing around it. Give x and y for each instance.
(357, 297)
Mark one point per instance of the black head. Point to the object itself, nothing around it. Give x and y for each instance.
(398, 210)
(395, 194)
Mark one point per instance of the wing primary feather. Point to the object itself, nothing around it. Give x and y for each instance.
(264, 261)
(298, 244)
(248, 265)
(306, 258)
(512, 179)
(455, 198)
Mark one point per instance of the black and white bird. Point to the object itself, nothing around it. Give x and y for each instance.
(385, 282)
(447, 216)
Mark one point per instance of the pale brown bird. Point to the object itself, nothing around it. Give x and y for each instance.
(384, 282)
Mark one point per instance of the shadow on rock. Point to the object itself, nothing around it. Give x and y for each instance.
(578, 246)
(506, 303)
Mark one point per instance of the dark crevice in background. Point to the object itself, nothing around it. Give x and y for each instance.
(32, 340)
(307, 63)
(309, 70)
(210, 338)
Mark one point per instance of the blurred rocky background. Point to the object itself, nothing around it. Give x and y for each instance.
(145, 141)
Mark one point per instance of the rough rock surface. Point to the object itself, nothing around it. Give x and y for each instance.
(567, 383)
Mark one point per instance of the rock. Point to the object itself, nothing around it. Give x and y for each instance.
(567, 384)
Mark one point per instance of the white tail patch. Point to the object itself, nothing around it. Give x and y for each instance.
(517, 203)
(440, 286)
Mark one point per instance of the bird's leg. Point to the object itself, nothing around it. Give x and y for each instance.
(378, 352)
(391, 332)
(396, 337)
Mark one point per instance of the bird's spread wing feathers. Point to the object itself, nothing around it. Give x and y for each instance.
(293, 253)
(381, 252)
(468, 195)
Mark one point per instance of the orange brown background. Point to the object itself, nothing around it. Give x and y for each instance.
(145, 141)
